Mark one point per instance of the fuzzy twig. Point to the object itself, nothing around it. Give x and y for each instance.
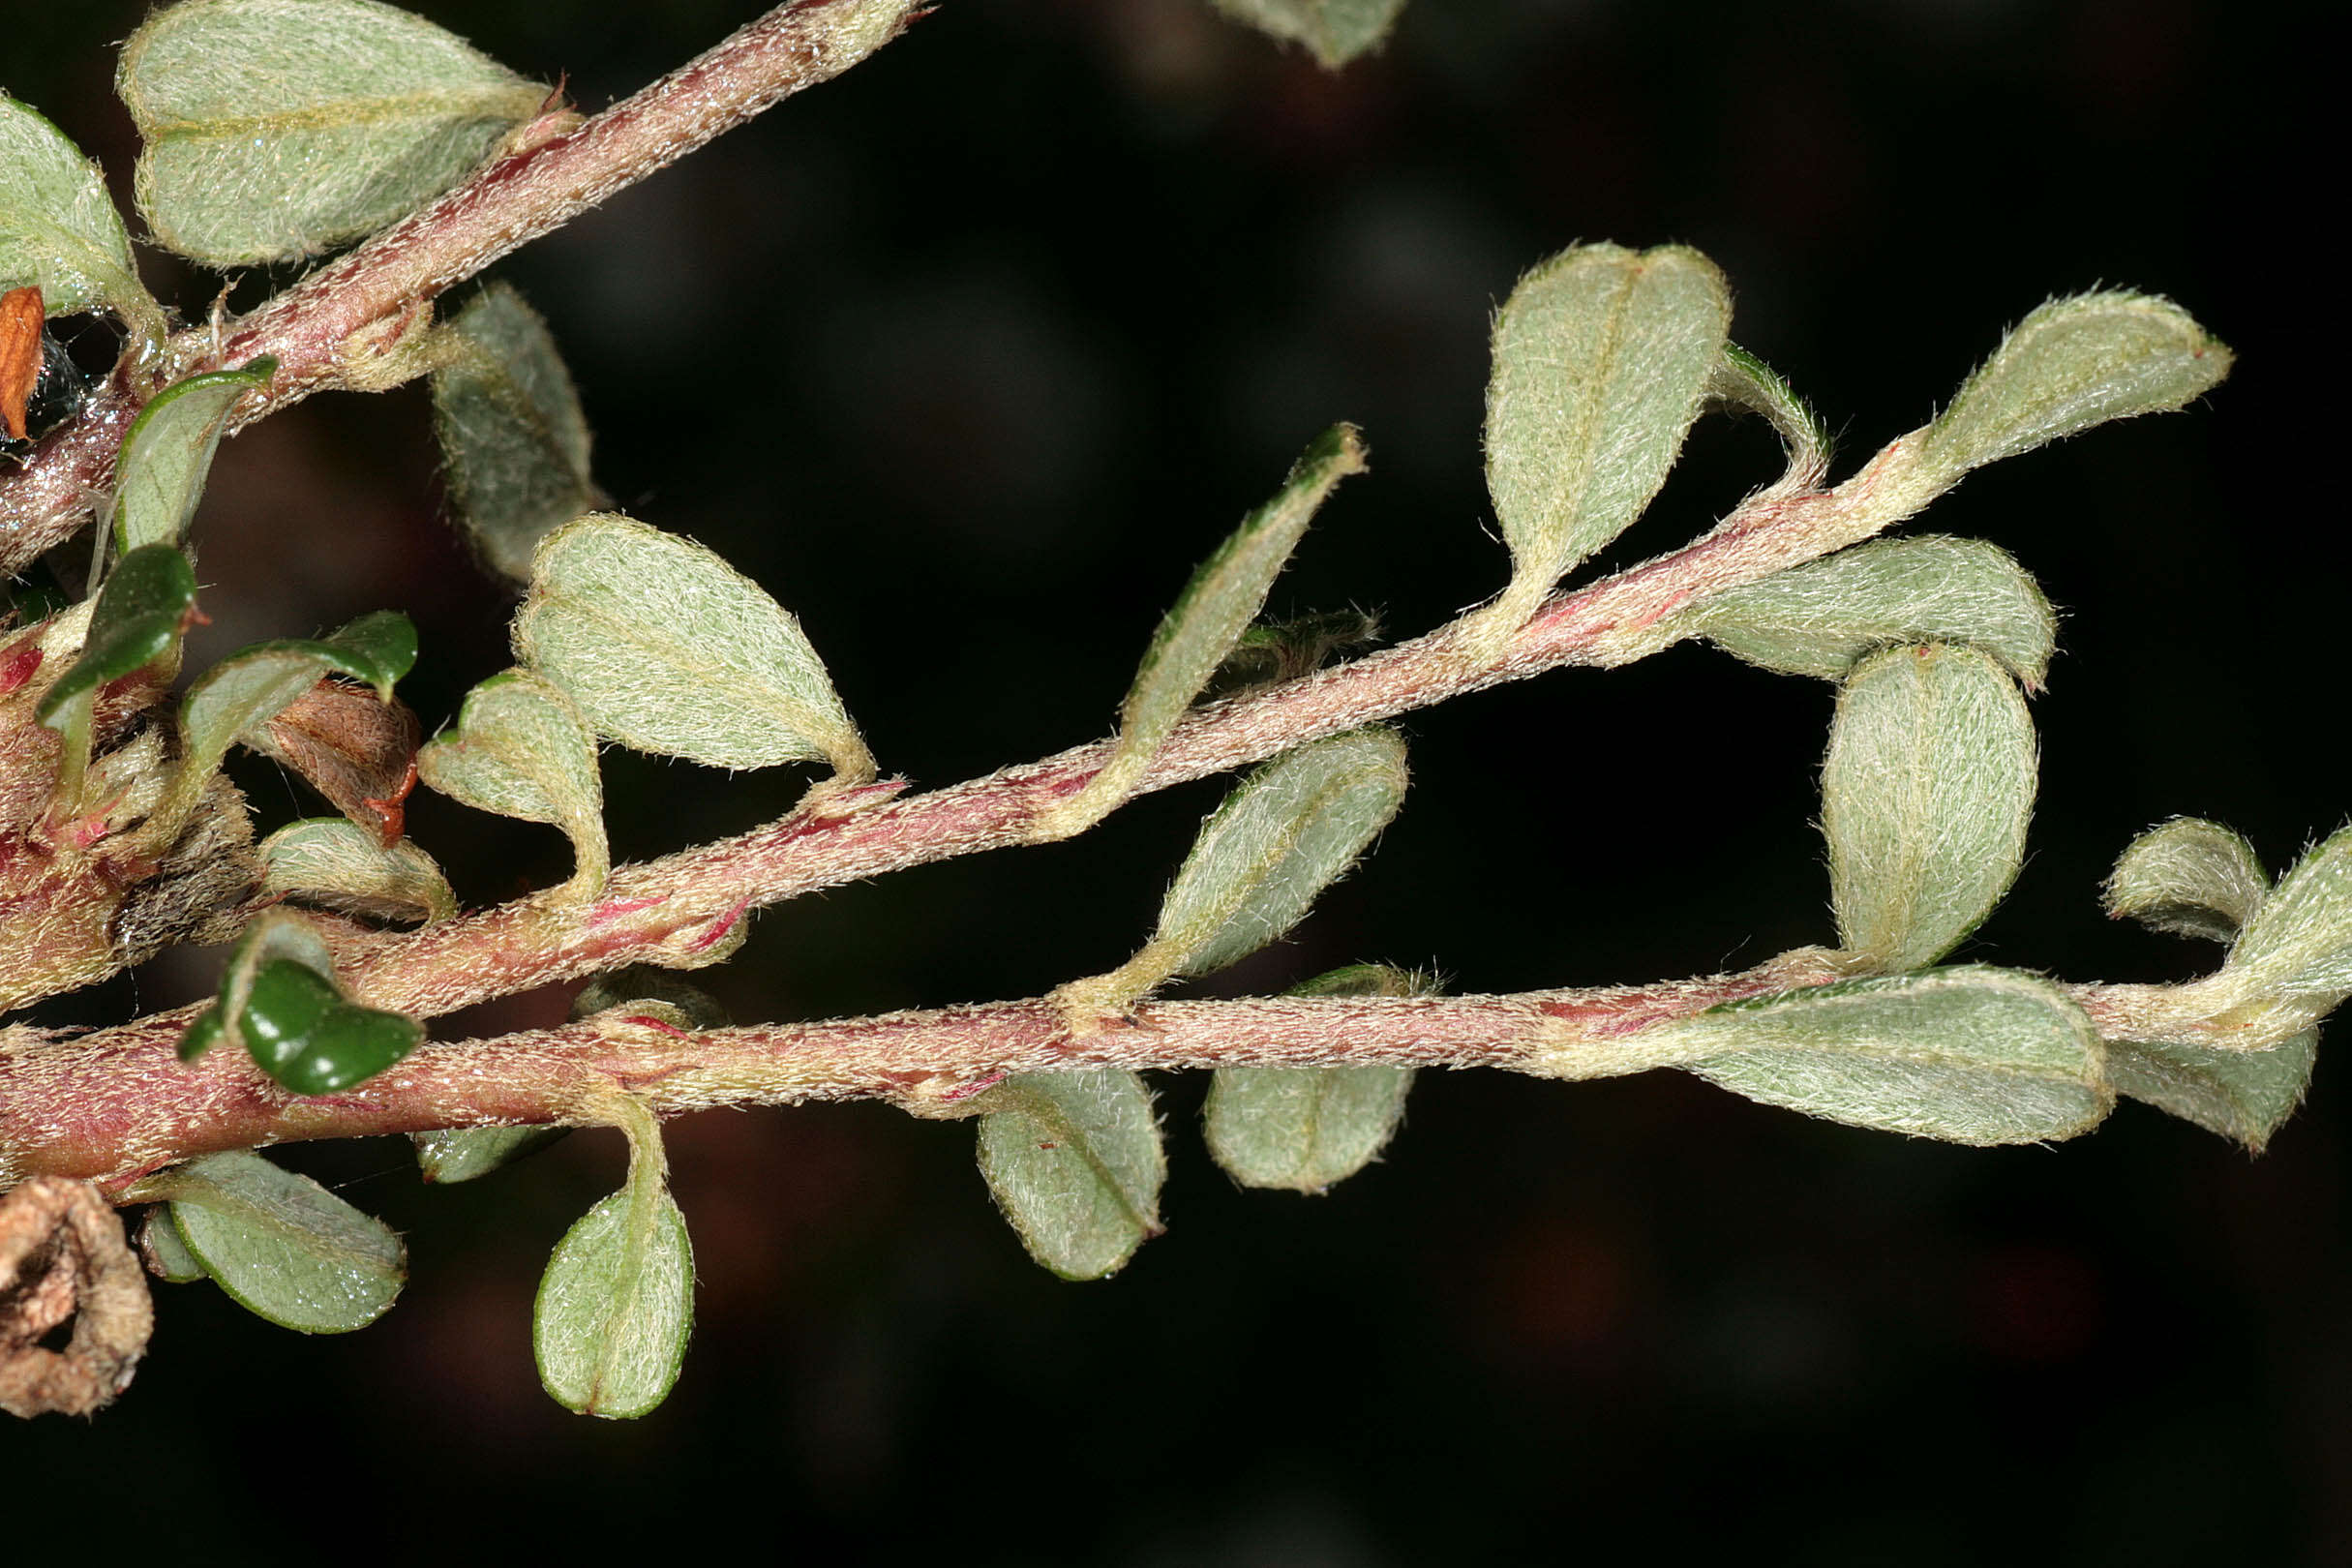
(342, 327)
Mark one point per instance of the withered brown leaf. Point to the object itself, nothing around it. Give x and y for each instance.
(63, 1257)
(358, 752)
(20, 321)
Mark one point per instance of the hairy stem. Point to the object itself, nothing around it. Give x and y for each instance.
(338, 326)
(675, 908)
(113, 1105)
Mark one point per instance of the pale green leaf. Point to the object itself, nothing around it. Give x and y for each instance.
(521, 749)
(1602, 356)
(2298, 943)
(1303, 1129)
(342, 866)
(162, 1250)
(1742, 381)
(1306, 1128)
(1210, 618)
(280, 128)
(1969, 1055)
(615, 1306)
(1283, 835)
(1075, 1163)
(58, 229)
(1925, 797)
(511, 431)
(281, 1246)
(2189, 877)
(617, 1302)
(460, 1154)
(160, 475)
(667, 648)
(1820, 618)
(2072, 364)
(1335, 31)
(2240, 1095)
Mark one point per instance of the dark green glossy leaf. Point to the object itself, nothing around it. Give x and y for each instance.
(304, 1035)
(140, 613)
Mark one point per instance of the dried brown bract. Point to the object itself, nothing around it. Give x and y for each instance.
(62, 1259)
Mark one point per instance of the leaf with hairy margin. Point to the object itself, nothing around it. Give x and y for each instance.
(1925, 797)
(1602, 356)
(1075, 1163)
(2240, 1095)
(1742, 381)
(160, 475)
(2069, 365)
(59, 232)
(1969, 1055)
(302, 1032)
(272, 935)
(1822, 619)
(1211, 616)
(616, 1302)
(1285, 834)
(2298, 943)
(667, 648)
(2188, 877)
(512, 434)
(280, 128)
(521, 749)
(461, 1154)
(281, 1245)
(339, 865)
(1308, 1128)
(1335, 31)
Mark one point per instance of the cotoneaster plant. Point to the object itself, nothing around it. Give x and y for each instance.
(276, 129)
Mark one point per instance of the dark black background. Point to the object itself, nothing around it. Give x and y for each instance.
(969, 356)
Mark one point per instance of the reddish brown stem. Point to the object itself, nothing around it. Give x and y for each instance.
(113, 1107)
(312, 329)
